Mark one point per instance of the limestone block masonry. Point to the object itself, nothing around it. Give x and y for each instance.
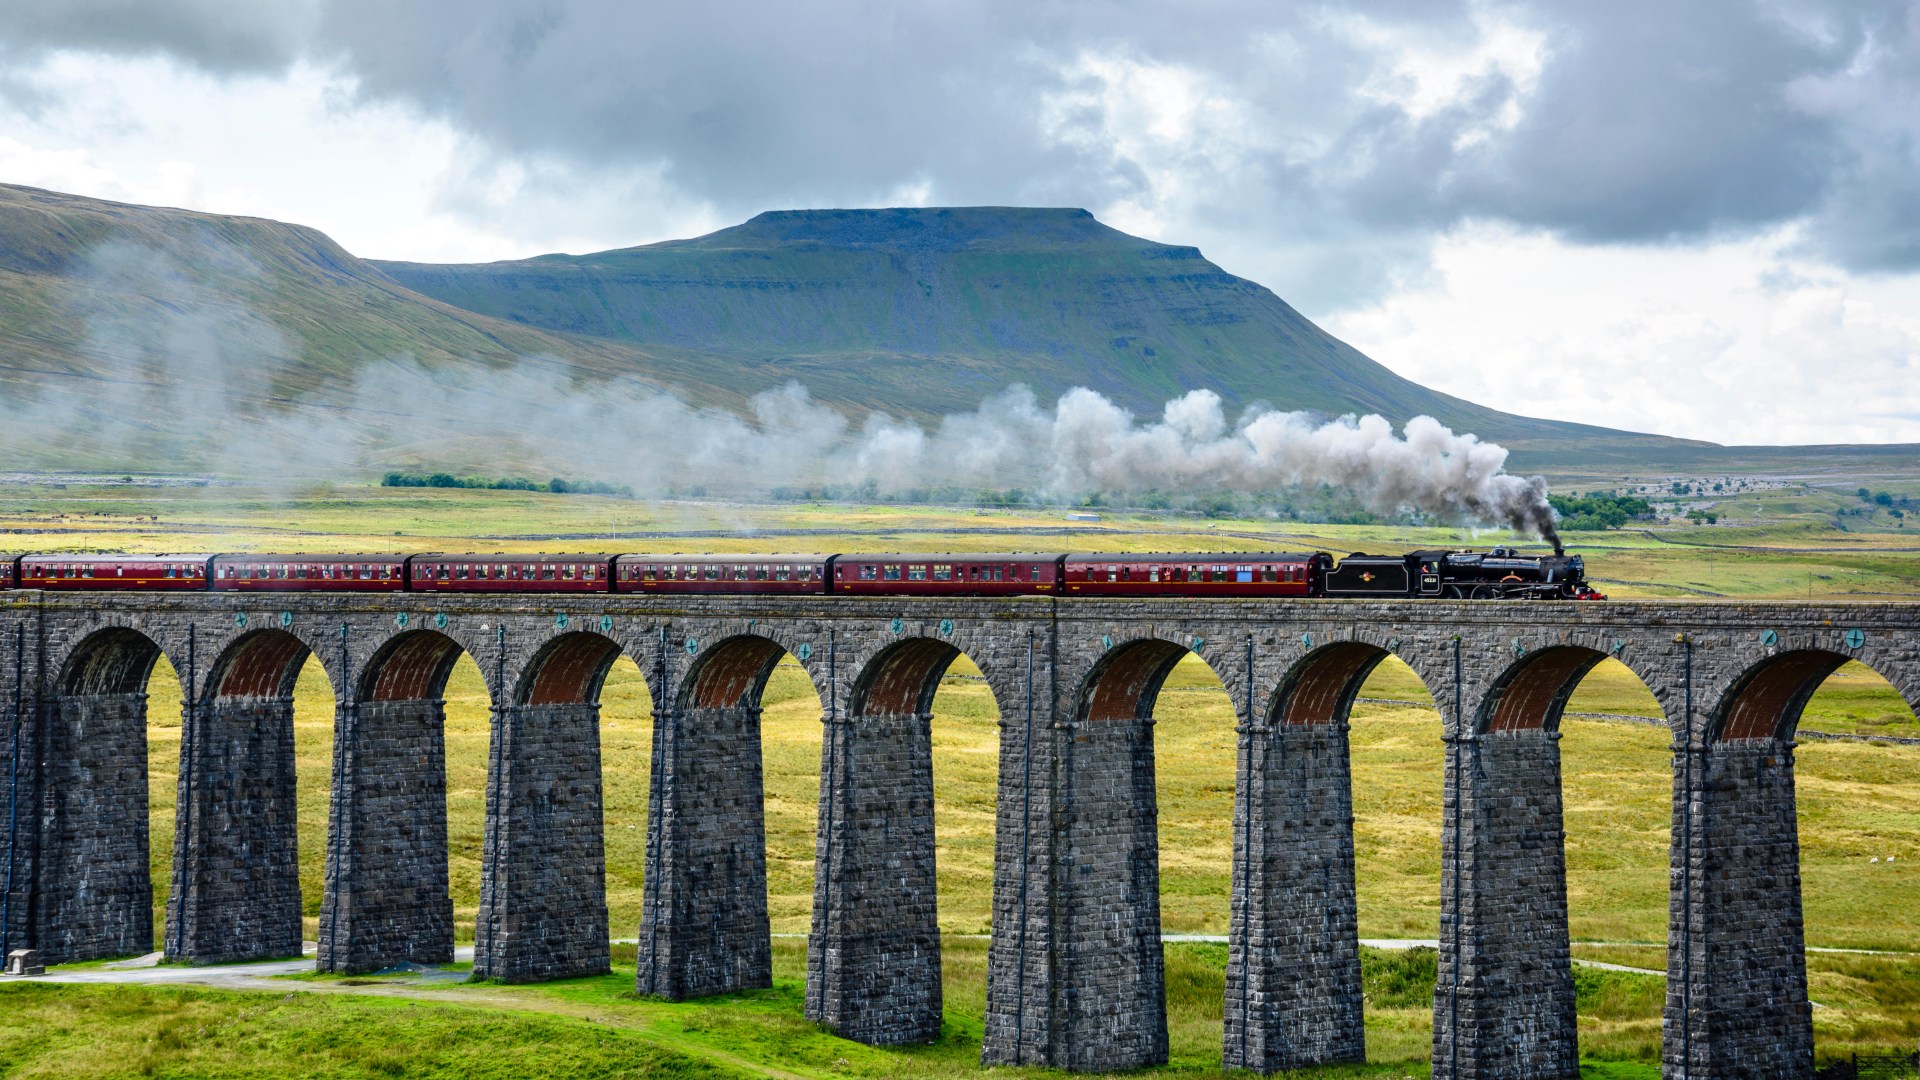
(236, 872)
(873, 958)
(388, 824)
(543, 901)
(703, 914)
(1075, 978)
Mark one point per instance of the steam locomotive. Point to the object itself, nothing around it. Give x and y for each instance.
(1503, 573)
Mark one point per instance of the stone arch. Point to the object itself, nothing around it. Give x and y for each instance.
(388, 897)
(112, 661)
(410, 666)
(258, 664)
(1764, 702)
(1319, 689)
(901, 679)
(1125, 682)
(705, 924)
(1531, 694)
(731, 673)
(873, 957)
(94, 859)
(568, 670)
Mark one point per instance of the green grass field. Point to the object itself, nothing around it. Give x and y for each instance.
(1859, 807)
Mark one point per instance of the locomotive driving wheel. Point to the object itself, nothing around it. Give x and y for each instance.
(1486, 592)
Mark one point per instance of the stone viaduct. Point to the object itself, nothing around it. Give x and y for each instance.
(1075, 976)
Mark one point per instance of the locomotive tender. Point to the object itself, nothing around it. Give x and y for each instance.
(1500, 574)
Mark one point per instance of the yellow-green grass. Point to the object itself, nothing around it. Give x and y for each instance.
(330, 1026)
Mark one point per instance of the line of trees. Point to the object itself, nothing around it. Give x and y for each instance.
(1599, 510)
(557, 485)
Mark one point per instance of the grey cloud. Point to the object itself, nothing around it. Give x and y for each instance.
(219, 35)
(1649, 121)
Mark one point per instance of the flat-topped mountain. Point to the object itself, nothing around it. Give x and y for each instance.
(930, 310)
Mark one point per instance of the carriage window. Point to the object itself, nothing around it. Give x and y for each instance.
(1267, 573)
(546, 572)
(891, 573)
(712, 573)
(460, 572)
(566, 571)
(943, 573)
(916, 573)
(869, 573)
(1243, 573)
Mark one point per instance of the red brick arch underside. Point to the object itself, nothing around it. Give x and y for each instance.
(569, 671)
(262, 664)
(412, 667)
(732, 674)
(115, 661)
(1126, 682)
(1532, 694)
(1321, 688)
(1766, 702)
(902, 680)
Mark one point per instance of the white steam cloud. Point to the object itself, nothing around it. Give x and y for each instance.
(191, 380)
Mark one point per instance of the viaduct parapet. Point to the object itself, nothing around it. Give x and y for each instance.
(1075, 972)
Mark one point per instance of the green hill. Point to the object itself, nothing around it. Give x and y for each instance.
(69, 264)
(189, 322)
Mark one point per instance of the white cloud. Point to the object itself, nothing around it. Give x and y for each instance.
(381, 179)
(1735, 342)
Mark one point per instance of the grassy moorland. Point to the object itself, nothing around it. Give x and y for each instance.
(1859, 804)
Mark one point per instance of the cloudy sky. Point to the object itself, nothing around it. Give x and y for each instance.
(1700, 218)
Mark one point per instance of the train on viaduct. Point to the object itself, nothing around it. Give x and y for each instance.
(1075, 963)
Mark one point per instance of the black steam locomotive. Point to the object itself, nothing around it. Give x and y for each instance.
(1500, 574)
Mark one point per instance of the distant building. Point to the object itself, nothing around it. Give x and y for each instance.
(1082, 515)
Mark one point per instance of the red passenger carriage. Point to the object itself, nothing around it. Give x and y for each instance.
(1189, 574)
(177, 573)
(309, 573)
(510, 573)
(786, 575)
(946, 575)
